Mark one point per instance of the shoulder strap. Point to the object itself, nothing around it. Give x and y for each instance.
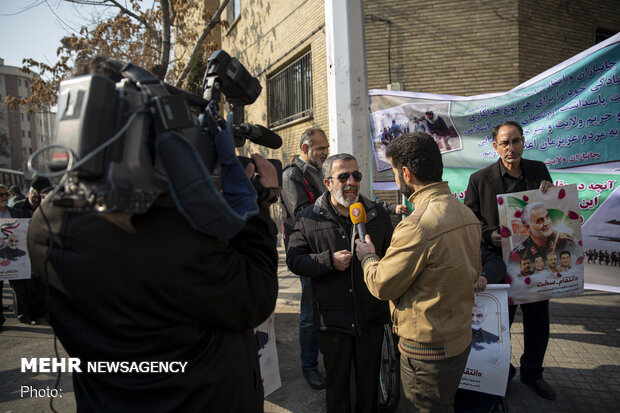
(310, 194)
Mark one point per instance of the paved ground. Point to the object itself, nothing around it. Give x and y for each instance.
(582, 361)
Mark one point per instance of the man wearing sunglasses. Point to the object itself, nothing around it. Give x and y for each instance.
(349, 319)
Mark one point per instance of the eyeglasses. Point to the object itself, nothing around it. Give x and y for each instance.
(344, 177)
(3, 194)
(514, 142)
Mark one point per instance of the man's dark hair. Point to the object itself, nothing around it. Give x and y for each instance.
(506, 123)
(306, 137)
(565, 252)
(327, 165)
(419, 152)
(100, 65)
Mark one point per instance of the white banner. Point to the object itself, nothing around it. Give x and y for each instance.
(489, 358)
(268, 355)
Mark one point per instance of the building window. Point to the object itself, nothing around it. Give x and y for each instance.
(19, 82)
(234, 10)
(290, 92)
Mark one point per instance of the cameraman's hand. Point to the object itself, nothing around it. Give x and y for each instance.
(266, 171)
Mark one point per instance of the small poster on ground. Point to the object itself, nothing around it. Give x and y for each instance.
(541, 244)
(268, 355)
(489, 359)
(14, 259)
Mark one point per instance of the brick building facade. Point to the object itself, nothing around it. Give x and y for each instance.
(445, 47)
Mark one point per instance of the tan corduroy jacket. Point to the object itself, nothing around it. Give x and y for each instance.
(428, 273)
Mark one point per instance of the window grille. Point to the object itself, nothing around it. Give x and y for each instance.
(290, 92)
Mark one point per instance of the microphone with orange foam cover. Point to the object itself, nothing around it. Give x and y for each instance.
(357, 213)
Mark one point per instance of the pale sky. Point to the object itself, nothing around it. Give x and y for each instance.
(33, 28)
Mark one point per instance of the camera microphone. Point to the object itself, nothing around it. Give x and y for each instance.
(357, 213)
(261, 135)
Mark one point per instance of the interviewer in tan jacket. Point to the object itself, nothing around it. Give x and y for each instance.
(427, 275)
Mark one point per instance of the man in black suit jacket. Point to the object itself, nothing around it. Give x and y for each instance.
(511, 174)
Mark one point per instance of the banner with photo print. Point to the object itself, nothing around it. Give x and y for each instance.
(541, 244)
(489, 359)
(14, 259)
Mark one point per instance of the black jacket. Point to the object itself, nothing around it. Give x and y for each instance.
(342, 301)
(296, 194)
(164, 292)
(486, 184)
(26, 210)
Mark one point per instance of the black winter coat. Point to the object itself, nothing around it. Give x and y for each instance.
(341, 299)
(164, 292)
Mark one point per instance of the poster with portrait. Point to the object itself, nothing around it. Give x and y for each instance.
(489, 359)
(390, 122)
(14, 260)
(542, 244)
(268, 355)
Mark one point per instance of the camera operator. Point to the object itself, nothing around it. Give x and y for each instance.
(149, 287)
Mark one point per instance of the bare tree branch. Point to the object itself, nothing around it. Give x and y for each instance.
(128, 12)
(198, 47)
(164, 58)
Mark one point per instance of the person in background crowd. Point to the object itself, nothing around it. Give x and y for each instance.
(33, 199)
(302, 185)
(16, 195)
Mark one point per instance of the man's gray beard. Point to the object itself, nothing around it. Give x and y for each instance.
(478, 327)
(344, 201)
(316, 163)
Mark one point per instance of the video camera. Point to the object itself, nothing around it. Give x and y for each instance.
(108, 136)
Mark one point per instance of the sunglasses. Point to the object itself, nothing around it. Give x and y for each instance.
(3, 194)
(344, 177)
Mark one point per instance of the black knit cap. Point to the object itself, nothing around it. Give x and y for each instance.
(40, 182)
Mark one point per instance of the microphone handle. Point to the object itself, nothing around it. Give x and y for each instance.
(361, 230)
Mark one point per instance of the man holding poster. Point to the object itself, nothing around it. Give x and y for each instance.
(511, 174)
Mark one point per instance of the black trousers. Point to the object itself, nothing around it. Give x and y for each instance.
(340, 352)
(535, 337)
